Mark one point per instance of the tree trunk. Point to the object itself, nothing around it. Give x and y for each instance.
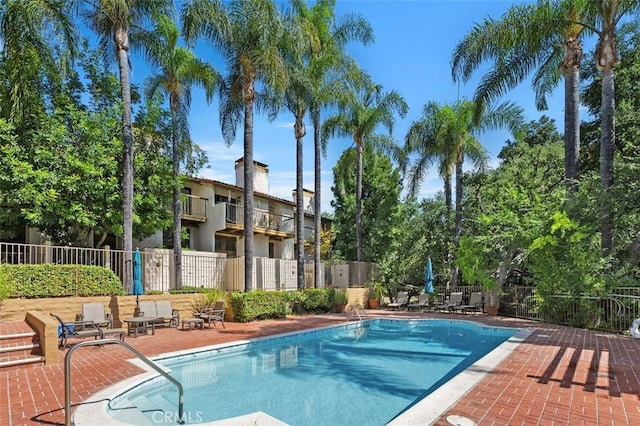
(571, 69)
(317, 206)
(447, 195)
(122, 42)
(177, 202)
(359, 251)
(248, 193)
(300, 131)
(606, 57)
(458, 222)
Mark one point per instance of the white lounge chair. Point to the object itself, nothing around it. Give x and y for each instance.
(423, 302)
(401, 301)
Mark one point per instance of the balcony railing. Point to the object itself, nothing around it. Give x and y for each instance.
(194, 208)
(261, 219)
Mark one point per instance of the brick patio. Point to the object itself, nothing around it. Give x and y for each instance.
(558, 376)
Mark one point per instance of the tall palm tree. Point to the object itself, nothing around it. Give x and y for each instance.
(310, 69)
(30, 33)
(545, 36)
(449, 134)
(368, 108)
(297, 45)
(178, 69)
(328, 66)
(118, 24)
(246, 33)
(608, 14)
(423, 138)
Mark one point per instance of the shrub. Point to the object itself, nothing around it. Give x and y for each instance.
(259, 305)
(317, 300)
(50, 280)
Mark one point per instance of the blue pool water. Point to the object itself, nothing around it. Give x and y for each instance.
(339, 375)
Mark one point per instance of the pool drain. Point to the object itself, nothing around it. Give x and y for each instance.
(457, 420)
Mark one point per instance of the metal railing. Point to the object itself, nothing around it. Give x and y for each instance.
(67, 375)
(194, 207)
(261, 218)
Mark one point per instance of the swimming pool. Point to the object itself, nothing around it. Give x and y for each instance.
(335, 375)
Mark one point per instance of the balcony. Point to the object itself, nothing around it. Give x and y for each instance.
(264, 222)
(194, 208)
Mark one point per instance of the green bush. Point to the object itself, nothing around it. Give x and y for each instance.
(317, 300)
(50, 280)
(260, 305)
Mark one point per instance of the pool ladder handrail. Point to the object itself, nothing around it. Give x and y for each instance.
(357, 310)
(67, 375)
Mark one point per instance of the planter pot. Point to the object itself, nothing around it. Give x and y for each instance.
(340, 308)
(492, 311)
(374, 303)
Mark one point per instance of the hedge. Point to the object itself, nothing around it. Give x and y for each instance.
(51, 280)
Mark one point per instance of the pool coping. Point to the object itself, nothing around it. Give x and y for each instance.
(94, 410)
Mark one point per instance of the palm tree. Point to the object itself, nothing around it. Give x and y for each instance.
(118, 24)
(368, 108)
(328, 65)
(28, 31)
(246, 33)
(449, 134)
(608, 14)
(178, 70)
(423, 139)
(545, 36)
(309, 90)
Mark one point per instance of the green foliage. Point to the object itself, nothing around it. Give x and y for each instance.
(421, 231)
(50, 280)
(380, 200)
(208, 300)
(258, 305)
(61, 174)
(340, 297)
(317, 300)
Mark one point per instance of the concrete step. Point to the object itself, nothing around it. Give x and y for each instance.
(20, 349)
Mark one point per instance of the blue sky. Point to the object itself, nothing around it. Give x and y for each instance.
(411, 54)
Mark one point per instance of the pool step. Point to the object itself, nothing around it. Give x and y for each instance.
(19, 350)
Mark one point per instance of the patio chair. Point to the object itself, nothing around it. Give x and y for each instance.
(455, 299)
(160, 309)
(475, 303)
(213, 314)
(78, 329)
(423, 302)
(401, 301)
(95, 312)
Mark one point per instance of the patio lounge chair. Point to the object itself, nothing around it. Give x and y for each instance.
(401, 301)
(475, 303)
(160, 309)
(71, 329)
(455, 299)
(213, 314)
(423, 302)
(95, 312)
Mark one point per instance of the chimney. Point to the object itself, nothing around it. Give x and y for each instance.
(307, 200)
(260, 176)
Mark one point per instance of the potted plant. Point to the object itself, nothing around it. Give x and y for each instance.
(376, 293)
(340, 300)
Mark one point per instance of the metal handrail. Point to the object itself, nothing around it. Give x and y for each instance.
(67, 375)
(356, 310)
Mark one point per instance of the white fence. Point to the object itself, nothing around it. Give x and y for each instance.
(199, 269)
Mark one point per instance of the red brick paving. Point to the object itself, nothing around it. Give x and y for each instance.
(558, 376)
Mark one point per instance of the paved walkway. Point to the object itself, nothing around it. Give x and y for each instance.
(558, 376)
